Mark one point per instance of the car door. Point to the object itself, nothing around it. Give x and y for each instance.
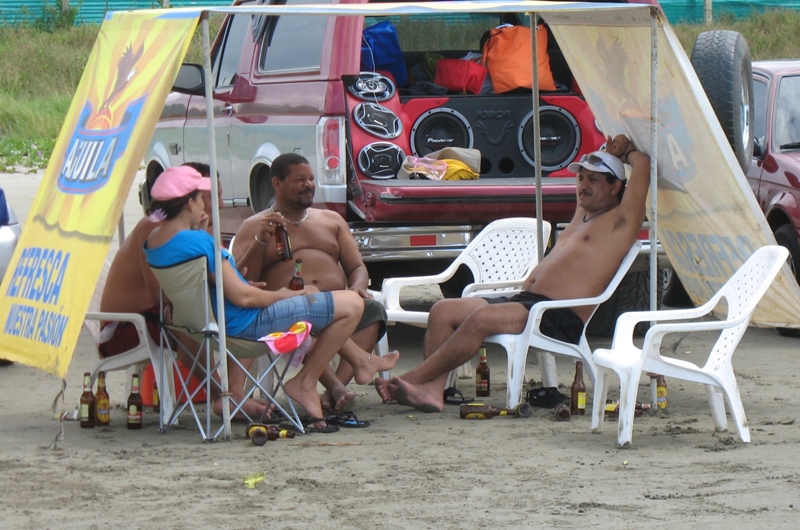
(760, 114)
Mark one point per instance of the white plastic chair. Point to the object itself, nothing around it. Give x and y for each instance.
(516, 346)
(741, 294)
(147, 351)
(500, 257)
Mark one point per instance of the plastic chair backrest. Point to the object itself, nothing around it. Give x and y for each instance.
(624, 267)
(505, 249)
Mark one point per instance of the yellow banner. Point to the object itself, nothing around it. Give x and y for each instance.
(51, 277)
(708, 220)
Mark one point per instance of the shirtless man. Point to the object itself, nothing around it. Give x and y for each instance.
(605, 225)
(132, 288)
(331, 260)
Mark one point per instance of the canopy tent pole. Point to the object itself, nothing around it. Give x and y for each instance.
(212, 162)
(537, 136)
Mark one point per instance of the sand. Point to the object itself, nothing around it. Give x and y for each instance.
(408, 469)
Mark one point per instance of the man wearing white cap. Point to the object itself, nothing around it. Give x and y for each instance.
(587, 254)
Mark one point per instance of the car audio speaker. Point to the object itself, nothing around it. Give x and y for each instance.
(439, 128)
(378, 120)
(560, 138)
(381, 160)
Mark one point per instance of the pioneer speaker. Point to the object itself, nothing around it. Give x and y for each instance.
(501, 128)
(380, 160)
(378, 120)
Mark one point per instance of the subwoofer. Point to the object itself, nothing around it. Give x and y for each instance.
(501, 128)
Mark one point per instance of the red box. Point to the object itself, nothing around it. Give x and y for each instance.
(148, 380)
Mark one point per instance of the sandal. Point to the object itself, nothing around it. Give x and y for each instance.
(346, 419)
(453, 396)
(546, 398)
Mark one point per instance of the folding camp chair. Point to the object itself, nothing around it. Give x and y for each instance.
(187, 288)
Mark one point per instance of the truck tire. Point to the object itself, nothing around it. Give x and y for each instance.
(633, 294)
(721, 60)
(786, 237)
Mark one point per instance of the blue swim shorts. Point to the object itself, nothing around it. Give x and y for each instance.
(315, 308)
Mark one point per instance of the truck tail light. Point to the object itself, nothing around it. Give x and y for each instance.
(330, 146)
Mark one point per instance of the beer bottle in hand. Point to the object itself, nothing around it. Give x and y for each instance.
(87, 408)
(283, 243)
(135, 405)
(296, 283)
(103, 408)
(577, 401)
(482, 374)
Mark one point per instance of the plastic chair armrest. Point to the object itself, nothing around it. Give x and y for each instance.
(487, 288)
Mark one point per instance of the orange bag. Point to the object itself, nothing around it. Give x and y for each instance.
(507, 55)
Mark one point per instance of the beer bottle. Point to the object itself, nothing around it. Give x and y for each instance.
(283, 243)
(296, 283)
(257, 433)
(103, 408)
(87, 408)
(661, 392)
(135, 405)
(561, 412)
(481, 411)
(577, 401)
(482, 375)
(156, 403)
(273, 433)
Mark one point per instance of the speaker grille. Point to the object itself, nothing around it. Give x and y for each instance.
(378, 120)
(439, 128)
(381, 160)
(371, 86)
(560, 138)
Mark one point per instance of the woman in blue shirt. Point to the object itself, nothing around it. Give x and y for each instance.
(251, 312)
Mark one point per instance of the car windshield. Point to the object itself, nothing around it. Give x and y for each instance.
(787, 114)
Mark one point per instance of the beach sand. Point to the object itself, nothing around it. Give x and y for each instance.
(408, 469)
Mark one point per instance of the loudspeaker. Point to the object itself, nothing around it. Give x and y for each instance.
(378, 120)
(380, 160)
(501, 128)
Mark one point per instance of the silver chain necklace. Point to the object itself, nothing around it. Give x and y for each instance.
(295, 223)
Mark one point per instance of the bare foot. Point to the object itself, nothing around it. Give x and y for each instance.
(373, 365)
(340, 400)
(417, 396)
(252, 409)
(382, 387)
(307, 398)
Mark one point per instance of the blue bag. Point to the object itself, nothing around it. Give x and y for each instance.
(380, 50)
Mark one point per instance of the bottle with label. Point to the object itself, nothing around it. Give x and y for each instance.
(482, 375)
(283, 243)
(661, 392)
(87, 406)
(134, 420)
(273, 433)
(561, 412)
(296, 283)
(102, 404)
(482, 411)
(577, 401)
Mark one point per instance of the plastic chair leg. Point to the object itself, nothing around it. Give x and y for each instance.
(717, 402)
(629, 386)
(737, 413)
(602, 376)
(516, 374)
(381, 349)
(547, 363)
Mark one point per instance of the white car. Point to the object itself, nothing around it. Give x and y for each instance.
(9, 235)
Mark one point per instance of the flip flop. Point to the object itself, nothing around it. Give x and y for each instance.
(453, 396)
(347, 419)
(308, 426)
(546, 398)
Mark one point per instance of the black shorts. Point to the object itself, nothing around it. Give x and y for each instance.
(559, 323)
(374, 312)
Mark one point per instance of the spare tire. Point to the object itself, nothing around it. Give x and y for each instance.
(721, 60)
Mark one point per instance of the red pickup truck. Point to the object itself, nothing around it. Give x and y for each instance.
(301, 84)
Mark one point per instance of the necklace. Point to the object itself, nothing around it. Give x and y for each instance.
(587, 219)
(295, 223)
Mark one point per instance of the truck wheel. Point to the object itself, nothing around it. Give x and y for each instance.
(721, 60)
(674, 294)
(633, 294)
(786, 237)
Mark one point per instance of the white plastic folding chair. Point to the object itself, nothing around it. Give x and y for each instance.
(187, 288)
(516, 346)
(147, 351)
(500, 257)
(741, 294)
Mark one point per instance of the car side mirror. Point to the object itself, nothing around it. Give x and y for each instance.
(758, 147)
(190, 80)
(5, 217)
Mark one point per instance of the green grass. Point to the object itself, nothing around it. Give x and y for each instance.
(41, 65)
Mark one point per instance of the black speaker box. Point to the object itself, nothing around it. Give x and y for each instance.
(501, 128)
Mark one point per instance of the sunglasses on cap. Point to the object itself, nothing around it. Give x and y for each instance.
(596, 160)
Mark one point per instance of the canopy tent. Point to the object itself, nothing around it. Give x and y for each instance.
(629, 64)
